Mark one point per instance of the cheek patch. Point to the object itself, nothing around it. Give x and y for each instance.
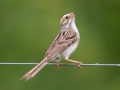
(65, 21)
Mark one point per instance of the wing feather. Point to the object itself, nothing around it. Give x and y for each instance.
(63, 40)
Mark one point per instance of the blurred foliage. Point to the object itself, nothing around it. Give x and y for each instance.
(27, 28)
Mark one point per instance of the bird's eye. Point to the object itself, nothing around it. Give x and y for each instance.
(66, 17)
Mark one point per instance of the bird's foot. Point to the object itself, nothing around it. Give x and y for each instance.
(79, 65)
(58, 64)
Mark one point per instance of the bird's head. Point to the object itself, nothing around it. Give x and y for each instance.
(67, 20)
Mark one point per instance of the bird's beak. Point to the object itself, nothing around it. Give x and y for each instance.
(72, 15)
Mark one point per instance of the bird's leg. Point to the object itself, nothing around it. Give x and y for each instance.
(58, 64)
(77, 62)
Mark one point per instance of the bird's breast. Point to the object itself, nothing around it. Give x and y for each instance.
(70, 50)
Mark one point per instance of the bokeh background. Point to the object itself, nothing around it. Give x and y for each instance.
(28, 27)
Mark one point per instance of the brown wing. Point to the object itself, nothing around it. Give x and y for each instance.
(63, 40)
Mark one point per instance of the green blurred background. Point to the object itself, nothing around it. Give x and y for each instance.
(28, 27)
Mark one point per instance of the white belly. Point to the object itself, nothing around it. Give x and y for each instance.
(70, 50)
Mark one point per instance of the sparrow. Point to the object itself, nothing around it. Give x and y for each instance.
(62, 47)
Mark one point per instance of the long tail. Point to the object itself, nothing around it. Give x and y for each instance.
(34, 70)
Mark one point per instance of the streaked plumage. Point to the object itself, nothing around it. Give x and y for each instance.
(62, 47)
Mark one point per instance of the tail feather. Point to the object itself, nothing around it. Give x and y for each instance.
(34, 70)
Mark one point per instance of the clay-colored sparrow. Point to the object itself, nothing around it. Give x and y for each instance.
(62, 47)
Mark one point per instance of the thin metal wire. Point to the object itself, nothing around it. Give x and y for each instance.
(62, 64)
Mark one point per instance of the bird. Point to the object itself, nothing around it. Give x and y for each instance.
(62, 47)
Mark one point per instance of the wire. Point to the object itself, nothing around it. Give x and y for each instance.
(62, 64)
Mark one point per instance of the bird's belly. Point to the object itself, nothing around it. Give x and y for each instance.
(56, 57)
(69, 50)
